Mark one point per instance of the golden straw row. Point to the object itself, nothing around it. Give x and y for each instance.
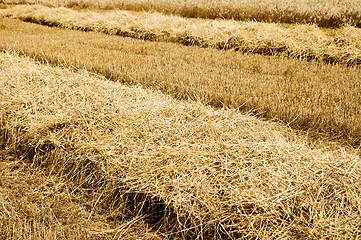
(188, 170)
(324, 13)
(302, 41)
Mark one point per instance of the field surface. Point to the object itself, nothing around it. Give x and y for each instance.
(134, 124)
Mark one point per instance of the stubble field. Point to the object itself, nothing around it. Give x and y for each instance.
(107, 135)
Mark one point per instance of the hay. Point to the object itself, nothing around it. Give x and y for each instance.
(190, 170)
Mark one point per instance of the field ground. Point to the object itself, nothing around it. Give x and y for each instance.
(324, 13)
(187, 169)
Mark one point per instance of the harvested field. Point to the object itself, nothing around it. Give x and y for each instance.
(321, 99)
(324, 13)
(300, 41)
(188, 170)
(168, 119)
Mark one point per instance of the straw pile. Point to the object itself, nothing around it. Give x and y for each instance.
(190, 171)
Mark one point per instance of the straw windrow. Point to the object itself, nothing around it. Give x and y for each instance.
(299, 41)
(189, 170)
(324, 13)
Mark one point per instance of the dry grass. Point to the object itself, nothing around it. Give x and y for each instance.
(301, 41)
(325, 13)
(186, 169)
(319, 98)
